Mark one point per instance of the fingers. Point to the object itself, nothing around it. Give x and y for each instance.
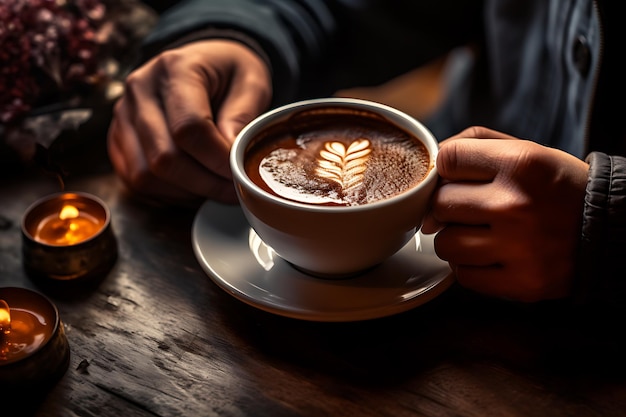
(475, 154)
(507, 283)
(470, 159)
(161, 158)
(480, 132)
(469, 203)
(468, 245)
(486, 280)
(164, 139)
(453, 164)
(507, 213)
(464, 202)
(127, 159)
(249, 96)
(468, 162)
(190, 122)
(208, 101)
(148, 161)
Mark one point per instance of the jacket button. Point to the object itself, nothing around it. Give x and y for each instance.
(582, 55)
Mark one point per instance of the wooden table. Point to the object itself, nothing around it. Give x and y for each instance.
(156, 337)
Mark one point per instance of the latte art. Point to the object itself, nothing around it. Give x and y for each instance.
(342, 173)
(348, 160)
(345, 166)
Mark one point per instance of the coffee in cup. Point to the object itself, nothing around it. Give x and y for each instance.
(336, 156)
(334, 186)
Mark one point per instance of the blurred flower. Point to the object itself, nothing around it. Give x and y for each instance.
(48, 48)
(62, 66)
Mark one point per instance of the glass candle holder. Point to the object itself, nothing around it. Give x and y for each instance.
(67, 236)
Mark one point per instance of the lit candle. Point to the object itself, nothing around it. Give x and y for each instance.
(33, 347)
(68, 227)
(23, 331)
(5, 318)
(67, 236)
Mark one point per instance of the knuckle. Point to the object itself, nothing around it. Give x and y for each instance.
(187, 126)
(161, 163)
(171, 57)
(133, 82)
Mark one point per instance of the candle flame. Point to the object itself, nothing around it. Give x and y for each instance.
(5, 318)
(68, 212)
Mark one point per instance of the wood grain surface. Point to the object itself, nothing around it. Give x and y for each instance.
(156, 337)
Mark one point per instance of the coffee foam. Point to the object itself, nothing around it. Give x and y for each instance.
(343, 170)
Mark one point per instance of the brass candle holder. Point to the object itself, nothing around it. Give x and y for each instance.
(68, 236)
(34, 351)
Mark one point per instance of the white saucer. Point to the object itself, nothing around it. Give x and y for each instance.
(240, 263)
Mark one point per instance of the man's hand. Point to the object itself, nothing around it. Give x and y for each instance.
(509, 214)
(172, 130)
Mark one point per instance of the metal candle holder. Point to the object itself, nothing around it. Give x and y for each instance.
(39, 365)
(92, 256)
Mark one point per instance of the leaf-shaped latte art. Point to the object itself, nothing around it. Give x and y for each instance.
(344, 166)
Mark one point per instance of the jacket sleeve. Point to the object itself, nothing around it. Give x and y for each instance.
(316, 47)
(602, 262)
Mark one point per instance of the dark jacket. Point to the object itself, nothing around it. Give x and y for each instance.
(536, 69)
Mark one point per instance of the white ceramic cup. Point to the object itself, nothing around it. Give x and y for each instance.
(333, 241)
